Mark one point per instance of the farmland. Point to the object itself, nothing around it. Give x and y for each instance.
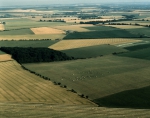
(21, 86)
(101, 72)
(78, 43)
(1, 27)
(46, 30)
(27, 43)
(75, 60)
(93, 51)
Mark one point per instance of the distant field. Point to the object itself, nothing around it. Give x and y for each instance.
(32, 37)
(126, 26)
(5, 57)
(2, 27)
(20, 86)
(27, 23)
(93, 51)
(78, 43)
(101, 28)
(40, 43)
(87, 20)
(98, 77)
(140, 31)
(47, 30)
(101, 34)
(78, 28)
(16, 32)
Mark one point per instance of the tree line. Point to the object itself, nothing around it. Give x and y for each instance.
(32, 55)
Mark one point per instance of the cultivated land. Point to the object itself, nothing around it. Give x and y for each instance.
(47, 30)
(1, 27)
(5, 57)
(77, 43)
(126, 26)
(21, 86)
(114, 73)
(79, 28)
(108, 74)
(93, 51)
(27, 43)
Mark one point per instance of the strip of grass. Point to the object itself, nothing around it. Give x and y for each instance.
(136, 98)
(101, 34)
(26, 43)
(93, 51)
(140, 54)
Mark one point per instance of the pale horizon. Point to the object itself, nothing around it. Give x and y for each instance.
(49, 2)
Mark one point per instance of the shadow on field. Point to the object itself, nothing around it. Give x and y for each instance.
(136, 98)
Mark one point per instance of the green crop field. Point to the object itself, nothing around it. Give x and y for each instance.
(1, 52)
(93, 51)
(138, 47)
(26, 23)
(98, 77)
(26, 43)
(138, 98)
(101, 28)
(141, 54)
(140, 31)
(32, 37)
(101, 32)
(17, 32)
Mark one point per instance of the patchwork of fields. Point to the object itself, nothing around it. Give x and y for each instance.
(108, 74)
(78, 43)
(21, 86)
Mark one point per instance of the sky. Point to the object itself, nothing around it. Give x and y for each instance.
(47, 2)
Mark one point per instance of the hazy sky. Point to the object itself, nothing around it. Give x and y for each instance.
(44, 2)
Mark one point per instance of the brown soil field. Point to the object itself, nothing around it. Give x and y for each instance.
(5, 57)
(47, 30)
(77, 43)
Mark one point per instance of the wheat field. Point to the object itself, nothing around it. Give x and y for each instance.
(2, 27)
(78, 43)
(47, 30)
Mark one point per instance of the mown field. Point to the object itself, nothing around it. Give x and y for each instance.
(93, 51)
(68, 111)
(78, 43)
(109, 75)
(21, 86)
